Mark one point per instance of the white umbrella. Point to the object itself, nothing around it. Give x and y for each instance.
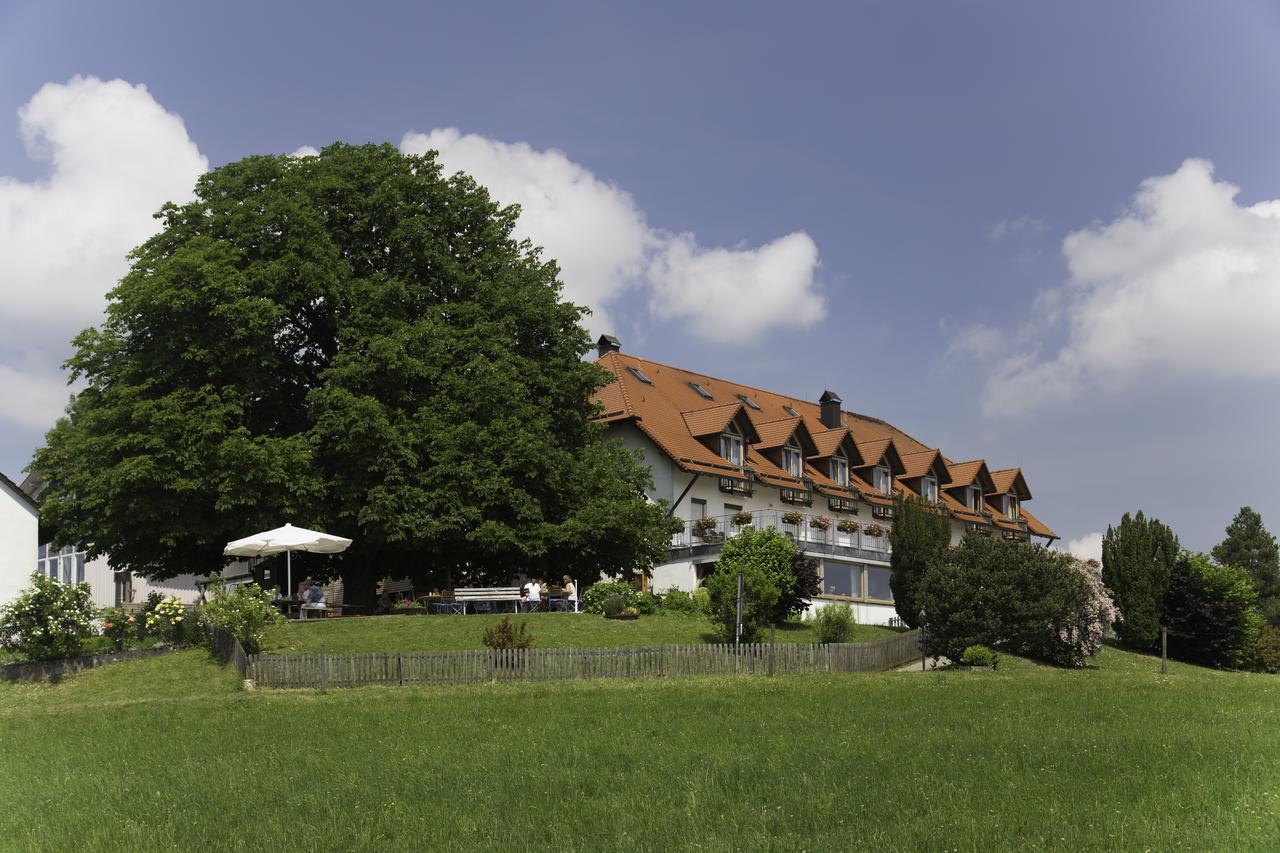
(286, 539)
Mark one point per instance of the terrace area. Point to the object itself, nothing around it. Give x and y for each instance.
(814, 533)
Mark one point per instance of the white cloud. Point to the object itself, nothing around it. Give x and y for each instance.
(1185, 284)
(1021, 225)
(115, 156)
(306, 151)
(605, 246)
(1087, 547)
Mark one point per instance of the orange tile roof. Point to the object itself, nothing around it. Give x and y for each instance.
(1010, 480)
(922, 462)
(964, 473)
(668, 410)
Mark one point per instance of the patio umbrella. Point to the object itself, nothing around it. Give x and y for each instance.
(286, 540)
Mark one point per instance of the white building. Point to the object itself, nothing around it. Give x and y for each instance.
(729, 456)
(19, 533)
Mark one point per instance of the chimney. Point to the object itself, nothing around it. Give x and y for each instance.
(607, 344)
(830, 402)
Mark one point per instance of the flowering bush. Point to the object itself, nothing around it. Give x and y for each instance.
(703, 525)
(1095, 613)
(847, 525)
(48, 621)
(165, 621)
(875, 530)
(244, 612)
(741, 517)
(405, 603)
(119, 626)
(792, 517)
(820, 522)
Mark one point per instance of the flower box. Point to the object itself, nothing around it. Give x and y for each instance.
(741, 519)
(846, 525)
(820, 522)
(874, 530)
(792, 518)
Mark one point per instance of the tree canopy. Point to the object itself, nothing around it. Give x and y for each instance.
(1211, 612)
(919, 537)
(355, 342)
(1137, 557)
(1251, 546)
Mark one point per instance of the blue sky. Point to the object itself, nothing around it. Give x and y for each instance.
(874, 198)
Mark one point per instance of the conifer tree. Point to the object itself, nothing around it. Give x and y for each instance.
(1137, 557)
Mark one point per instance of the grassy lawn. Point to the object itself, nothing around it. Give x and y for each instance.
(169, 753)
(552, 631)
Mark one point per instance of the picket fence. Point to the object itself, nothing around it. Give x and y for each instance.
(481, 666)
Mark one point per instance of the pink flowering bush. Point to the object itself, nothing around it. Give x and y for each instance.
(1095, 613)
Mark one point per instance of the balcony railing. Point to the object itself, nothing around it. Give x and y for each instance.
(714, 530)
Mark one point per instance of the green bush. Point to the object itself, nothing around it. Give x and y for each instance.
(760, 595)
(1211, 612)
(593, 599)
(505, 635)
(645, 604)
(48, 621)
(245, 612)
(702, 599)
(613, 605)
(119, 626)
(149, 605)
(165, 621)
(1264, 654)
(835, 623)
(978, 656)
(680, 603)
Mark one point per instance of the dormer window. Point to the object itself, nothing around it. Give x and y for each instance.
(731, 445)
(884, 481)
(839, 468)
(1011, 506)
(929, 489)
(792, 460)
(974, 498)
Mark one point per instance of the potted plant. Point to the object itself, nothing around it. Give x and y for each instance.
(741, 518)
(875, 530)
(820, 522)
(847, 525)
(704, 526)
(406, 607)
(792, 517)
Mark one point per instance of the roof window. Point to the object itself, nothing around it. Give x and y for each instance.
(752, 403)
(639, 374)
(791, 411)
(702, 391)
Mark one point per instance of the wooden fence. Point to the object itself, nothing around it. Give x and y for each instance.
(228, 649)
(480, 666)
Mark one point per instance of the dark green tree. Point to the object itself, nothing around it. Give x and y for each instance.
(1211, 612)
(1137, 557)
(355, 342)
(766, 559)
(1251, 546)
(920, 537)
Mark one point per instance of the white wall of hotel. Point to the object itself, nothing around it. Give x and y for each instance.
(863, 583)
(107, 586)
(19, 532)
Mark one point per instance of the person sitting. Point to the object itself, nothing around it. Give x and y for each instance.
(313, 599)
(570, 594)
(383, 604)
(535, 595)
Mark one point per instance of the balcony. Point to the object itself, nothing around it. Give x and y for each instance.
(707, 535)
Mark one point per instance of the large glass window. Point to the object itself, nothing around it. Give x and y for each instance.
(731, 445)
(792, 461)
(841, 579)
(878, 584)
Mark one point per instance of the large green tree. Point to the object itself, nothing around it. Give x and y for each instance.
(1137, 557)
(1251, 546)
(767, 561)
(920, 536)
(353, 341)
(1211, 612)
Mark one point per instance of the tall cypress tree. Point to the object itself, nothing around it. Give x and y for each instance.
(1250, 546)
(919, 537)
(1137, 558)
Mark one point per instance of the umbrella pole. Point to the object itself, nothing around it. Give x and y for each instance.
(288, 562)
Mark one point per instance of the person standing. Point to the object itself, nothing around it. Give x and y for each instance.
(570, 594)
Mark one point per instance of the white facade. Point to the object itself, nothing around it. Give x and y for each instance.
(107, 586)
(19, 533)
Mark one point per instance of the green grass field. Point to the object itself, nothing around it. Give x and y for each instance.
(551, 630)
(169, 753)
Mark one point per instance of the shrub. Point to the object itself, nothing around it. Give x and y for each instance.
(505, 635)
(835, 623)
(150, 604)
(978, 655)
(1211, 612)
(614, 605)
(165, 621)
(645, 604)
(702, 599)
(760, 595)
(245, 612)
(1264, 654)
(119, 626)
(679, 602)
(593, 599)
(48, 621)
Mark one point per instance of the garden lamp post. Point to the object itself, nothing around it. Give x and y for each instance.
(922, 631)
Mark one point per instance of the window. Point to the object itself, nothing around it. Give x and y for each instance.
(639, 374)
(841, 579)
(702, 392)
(699, 507)
(878, 584)
(975, 498)
(731, 445)
(839, 469)
(747, 400)
(884, 481)
(730, 509)
(792, 460)
(1011, 506)
(80, 567)
(929, 489)
(791, 411)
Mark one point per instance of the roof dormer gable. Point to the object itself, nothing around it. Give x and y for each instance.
(840, 440)
(881, 453)
(926, 463)
(1009, 481)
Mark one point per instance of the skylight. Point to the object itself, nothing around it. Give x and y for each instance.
(791, 411)
(701, 390)
(752, 403)
(639, 374)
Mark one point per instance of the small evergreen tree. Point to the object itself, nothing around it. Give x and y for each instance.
(1251, 546)
(1137, 557)
(920, 536)
(1211, 612)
